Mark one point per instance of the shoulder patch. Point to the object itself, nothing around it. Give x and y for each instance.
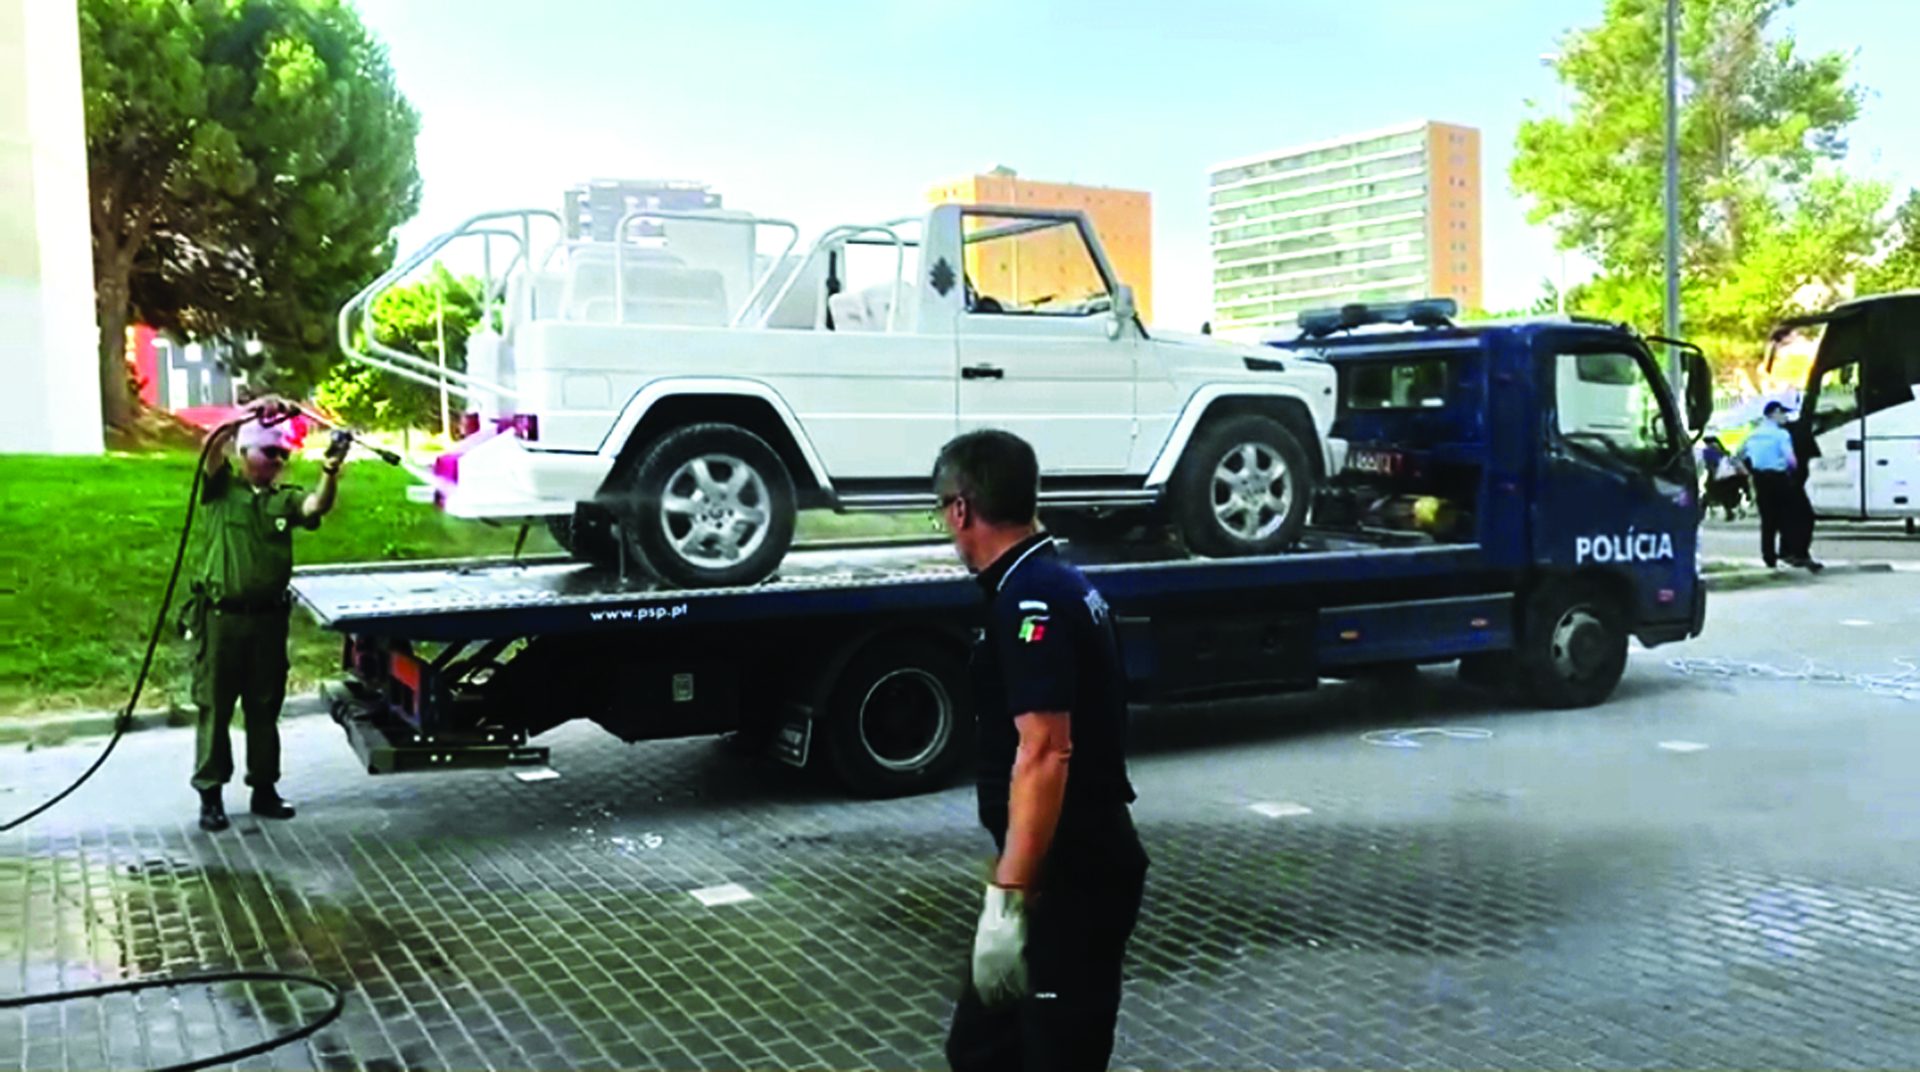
(1033, 629)
(1097, 606)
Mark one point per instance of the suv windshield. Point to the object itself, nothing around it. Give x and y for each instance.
(1034, 267)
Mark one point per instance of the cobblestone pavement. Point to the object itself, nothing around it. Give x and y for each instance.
(1584, 889)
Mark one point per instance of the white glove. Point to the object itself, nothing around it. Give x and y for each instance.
(1000, 946)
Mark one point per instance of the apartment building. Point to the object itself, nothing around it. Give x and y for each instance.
(1387, 215)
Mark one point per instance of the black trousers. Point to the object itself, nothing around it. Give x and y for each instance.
(1077, 930)
(1786, 517)
(1726, 495)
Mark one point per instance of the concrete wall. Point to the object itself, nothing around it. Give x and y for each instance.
(49, 390)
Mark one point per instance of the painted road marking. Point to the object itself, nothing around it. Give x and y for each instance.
(715, 896)
(1405, 738)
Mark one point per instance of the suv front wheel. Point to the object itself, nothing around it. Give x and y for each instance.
(1242, 488)
(709, 506)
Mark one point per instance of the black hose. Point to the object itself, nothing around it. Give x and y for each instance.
(119, 730)
(153, 638)
(231, 1056)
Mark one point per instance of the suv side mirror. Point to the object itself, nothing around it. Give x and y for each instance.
(1124, 311)
(1699, 392)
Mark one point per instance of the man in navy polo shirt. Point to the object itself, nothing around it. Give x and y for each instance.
(1043, 991)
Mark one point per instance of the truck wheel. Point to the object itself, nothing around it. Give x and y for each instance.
(710, 506)
(1241, 488)
(900, 718)
(1573, 645)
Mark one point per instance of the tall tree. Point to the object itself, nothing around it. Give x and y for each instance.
(1899, 268)
(420, 318)
(249, 160)
(1764, 211)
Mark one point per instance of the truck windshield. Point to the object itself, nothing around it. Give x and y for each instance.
(1605, 402)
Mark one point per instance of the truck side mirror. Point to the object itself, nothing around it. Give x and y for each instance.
(1124, 311)
(1699, 392)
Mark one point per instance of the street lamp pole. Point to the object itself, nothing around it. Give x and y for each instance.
(1672, 324)
(440, 350)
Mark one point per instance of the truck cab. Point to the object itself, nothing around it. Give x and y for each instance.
(1555, 445)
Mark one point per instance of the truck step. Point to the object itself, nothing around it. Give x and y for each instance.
(389, 746)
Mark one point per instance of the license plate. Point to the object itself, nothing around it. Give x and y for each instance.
(1377, 462)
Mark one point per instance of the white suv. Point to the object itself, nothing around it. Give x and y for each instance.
(678, 395)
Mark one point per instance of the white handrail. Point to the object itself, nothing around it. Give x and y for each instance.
(844, 231)
(399, 363)
(411, 366)
(620, 251)
(369, 327)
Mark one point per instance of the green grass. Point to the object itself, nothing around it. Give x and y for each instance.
(85, 545)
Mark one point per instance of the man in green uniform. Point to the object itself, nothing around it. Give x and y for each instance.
(240, 602)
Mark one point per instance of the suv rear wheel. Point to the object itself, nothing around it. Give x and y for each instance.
(709, 506)
(1242, 488)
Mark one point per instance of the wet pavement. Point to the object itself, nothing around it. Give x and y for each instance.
(1712, 870)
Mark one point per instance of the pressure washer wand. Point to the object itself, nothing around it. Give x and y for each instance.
(355, 437)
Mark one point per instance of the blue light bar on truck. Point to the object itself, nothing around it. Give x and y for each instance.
(1423, 312)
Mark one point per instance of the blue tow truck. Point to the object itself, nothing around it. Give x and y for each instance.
(1519, 496)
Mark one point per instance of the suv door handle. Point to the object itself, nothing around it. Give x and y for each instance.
(1854, 444)
(983, 372)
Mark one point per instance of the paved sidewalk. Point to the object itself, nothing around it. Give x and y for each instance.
(1705, 873)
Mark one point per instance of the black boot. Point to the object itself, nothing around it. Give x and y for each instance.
(213, 814)
(268, 805)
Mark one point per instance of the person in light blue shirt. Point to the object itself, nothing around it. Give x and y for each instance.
(1770, 448)
(1786, 517)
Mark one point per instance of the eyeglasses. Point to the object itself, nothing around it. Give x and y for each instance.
(278, 454)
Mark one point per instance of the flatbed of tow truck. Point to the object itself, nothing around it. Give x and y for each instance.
(552, 594)
(436, 649)
(1532, 556)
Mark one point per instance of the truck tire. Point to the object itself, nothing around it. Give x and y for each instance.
(1573, 645)
(900, 718)
(1242, 488)
(709, 506)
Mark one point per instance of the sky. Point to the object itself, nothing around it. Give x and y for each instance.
(850, 110)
